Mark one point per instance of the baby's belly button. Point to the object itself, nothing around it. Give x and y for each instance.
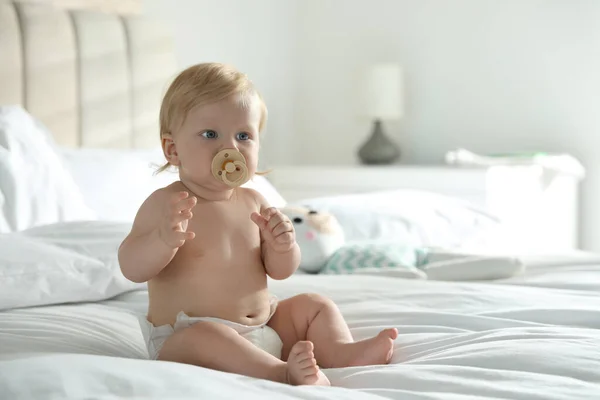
(253, 314)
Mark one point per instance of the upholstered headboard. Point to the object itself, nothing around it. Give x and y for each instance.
(94, 79)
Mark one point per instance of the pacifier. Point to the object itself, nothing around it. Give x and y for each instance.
(229, 167)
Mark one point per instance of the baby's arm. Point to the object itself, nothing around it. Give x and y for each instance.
(159, 229)
(280, 251)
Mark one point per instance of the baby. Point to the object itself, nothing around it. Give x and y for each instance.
(206, 245)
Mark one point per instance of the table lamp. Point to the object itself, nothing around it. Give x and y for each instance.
(384, 102)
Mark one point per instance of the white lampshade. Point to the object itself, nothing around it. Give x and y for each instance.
(384, 92)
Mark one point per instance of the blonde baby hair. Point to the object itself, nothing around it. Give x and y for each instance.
(203, 84)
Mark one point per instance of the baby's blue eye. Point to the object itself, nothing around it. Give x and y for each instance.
(209, 134)
(243, 136)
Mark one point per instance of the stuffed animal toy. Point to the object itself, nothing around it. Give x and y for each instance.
(321, 237)
(318, 234)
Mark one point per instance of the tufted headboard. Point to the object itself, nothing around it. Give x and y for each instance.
(94, 79)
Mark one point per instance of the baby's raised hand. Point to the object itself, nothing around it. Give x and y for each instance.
(277, 229)
(173, 227)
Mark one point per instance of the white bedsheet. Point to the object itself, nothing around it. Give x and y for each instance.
(530, 337)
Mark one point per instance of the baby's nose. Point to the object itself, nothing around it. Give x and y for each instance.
(230, 143)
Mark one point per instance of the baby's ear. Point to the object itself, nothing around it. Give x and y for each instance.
(169, 149)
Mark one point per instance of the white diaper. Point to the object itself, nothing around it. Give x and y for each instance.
(262, 336)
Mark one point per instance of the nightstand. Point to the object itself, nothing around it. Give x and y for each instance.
(540, 206)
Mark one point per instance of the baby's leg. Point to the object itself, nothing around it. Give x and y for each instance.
(317, 319)
(219, 347)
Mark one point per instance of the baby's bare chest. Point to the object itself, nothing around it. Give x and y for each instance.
(223, 228)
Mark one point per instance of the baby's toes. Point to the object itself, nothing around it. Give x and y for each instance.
(391, 333)
(308, 363)
(310, 371)
(302, 348)
(307, 355)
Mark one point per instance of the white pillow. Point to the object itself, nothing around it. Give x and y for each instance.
(412, 217)
(62, 263)
(116, 182)
(264, 187)
(35, 186)
(4, 226)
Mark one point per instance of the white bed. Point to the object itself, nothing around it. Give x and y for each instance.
(457, 341)
(68, 326)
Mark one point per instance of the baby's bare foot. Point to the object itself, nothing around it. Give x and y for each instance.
(375, 351)
(302, 368)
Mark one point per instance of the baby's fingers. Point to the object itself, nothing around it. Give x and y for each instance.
(263, 225)
(179, 235)
(285, 238)
(188, 235)
(178, 218)
(259, 220)
(267, 213)
(176, 197)
(184, 204)
(282, 227)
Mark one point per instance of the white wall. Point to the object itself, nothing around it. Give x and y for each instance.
(489, 75)
(256, 36)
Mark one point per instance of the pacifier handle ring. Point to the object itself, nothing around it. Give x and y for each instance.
(241, 178)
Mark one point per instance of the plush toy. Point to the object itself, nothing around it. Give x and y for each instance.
(318, 234)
